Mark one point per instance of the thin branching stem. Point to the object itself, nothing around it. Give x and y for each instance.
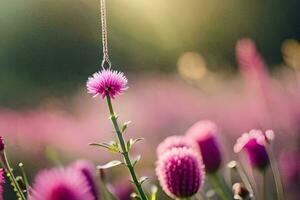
(125, 153)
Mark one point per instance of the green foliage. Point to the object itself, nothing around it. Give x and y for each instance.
(112, 146)
(110, 164)
(131, 142)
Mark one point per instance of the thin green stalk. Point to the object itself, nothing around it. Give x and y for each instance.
(25, 179)
(12, 177)
(219, 187)
(245, 179)
(276, 174)
(264, 184)
(125, 153)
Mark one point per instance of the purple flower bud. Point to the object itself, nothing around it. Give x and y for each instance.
(180, 172)
(1, 143)
(254, 143)
(88, 171)
(204, 134)
(173, 142)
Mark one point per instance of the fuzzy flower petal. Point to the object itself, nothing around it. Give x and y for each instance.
(88, 171)
(255, 143)
(107, 80)
(60, 184)
(173, 142)
(180, 172)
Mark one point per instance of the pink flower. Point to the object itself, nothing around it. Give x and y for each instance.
(88, 170)
(249, 59)
(107, 81)
(173, 142)
(180, 172)
(2, 145)
(204, 133)
(60, 184)
(255, 143)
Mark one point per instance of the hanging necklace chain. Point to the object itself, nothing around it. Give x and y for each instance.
(105, 59)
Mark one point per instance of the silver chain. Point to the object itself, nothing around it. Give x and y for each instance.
(104, 36)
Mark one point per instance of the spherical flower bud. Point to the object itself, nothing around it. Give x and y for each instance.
(1, 143)
(60, 184)
(88, 171)
(254, 143)
(204, 133)
(180, 172)
(173, 142)
(106, 82)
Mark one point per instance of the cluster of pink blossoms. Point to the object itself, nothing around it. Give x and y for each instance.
(183, 161)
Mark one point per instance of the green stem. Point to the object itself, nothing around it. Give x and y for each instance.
(124, 149)
(264, 184)
(12, 178)
(244, 178)
(219, 187)
(276, 174)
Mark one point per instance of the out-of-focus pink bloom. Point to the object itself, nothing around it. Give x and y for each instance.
(60, 184)
(290, 170)
(250, 61)
(173, 142)
(204, 133)
(255, 143)
(1, 143)
(290, 166)
(107, 81)
(1, 183)
(180, 172)
(88, 170)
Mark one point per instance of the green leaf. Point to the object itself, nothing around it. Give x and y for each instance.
(136, 161)
(143, 179)
(154, 191)
(111, 146)
(131, 142)
(124, 126)
(110, 164)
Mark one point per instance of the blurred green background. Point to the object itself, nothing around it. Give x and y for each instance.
(50, 47)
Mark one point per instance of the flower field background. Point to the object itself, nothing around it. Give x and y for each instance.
(185, 62)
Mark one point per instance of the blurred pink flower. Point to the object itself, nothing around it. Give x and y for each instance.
(104, 81)
(204, 133)
(88, 170)
(60, 184)
(255, 143)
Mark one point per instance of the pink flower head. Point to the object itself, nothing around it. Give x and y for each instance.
(255, 143)
(1, 143)
(204, 133)
(173, 142)
(180, 172)
(88, 171)
(1, 183)
(107, 81)
(60, 184)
